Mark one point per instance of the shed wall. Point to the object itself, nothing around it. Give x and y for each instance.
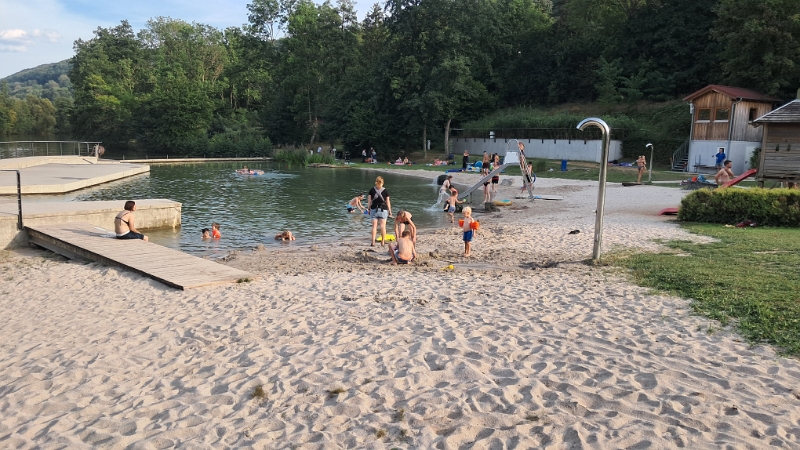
(781, 157)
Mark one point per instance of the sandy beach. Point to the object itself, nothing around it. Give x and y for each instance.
(522, 345)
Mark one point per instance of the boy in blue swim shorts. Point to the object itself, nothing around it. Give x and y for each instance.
(404, 252)
(467, 229)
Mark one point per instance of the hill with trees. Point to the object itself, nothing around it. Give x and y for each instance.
(299, 73)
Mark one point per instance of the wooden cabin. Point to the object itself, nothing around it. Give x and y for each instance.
(780, 144)
(722, 117)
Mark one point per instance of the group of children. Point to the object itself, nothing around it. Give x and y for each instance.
(214, 233)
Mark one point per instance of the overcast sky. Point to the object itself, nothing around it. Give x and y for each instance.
(34, 32)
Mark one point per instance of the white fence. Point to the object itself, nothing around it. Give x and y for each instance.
(573, 150)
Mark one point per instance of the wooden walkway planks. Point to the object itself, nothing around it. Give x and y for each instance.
(171, 267)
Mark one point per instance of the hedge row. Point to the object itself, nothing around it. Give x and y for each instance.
(771, 207)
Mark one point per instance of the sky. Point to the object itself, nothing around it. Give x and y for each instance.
(35, 32)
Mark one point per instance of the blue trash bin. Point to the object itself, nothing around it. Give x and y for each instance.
(563, 165)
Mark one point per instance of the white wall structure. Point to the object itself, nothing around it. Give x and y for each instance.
(573, 150)
(702, 153)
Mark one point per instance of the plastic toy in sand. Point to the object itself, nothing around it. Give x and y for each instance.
(502, 202)
(389, 238)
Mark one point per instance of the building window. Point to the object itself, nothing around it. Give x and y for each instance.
(703, 114)
(722, 114)
(753, 114)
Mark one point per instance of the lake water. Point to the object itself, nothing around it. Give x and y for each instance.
(252, 209)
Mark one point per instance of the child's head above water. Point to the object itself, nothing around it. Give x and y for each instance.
(206, 232)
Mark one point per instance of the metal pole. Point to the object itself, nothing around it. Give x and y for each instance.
(650, 175)
(19, 198)
(601, 194)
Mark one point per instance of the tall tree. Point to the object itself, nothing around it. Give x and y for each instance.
(761, 44)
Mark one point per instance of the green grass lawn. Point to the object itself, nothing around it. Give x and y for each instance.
(752, 275)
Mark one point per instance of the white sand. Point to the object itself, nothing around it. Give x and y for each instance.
(521, 346)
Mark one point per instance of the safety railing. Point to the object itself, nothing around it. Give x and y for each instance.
(19, 198)
(19, 149)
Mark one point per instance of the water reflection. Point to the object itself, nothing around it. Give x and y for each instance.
(252, 209)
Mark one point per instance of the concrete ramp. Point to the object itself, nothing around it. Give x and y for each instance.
(174, 268)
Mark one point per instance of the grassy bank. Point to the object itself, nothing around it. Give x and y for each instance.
(751, 276)
(576, 170)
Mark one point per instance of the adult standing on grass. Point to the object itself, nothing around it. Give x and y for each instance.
(123, 223)
(720, 157)
(641, 163)
(725, 174)
(380, 209)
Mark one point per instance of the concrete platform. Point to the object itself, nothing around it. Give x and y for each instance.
(61, 174)
(150, 214)
(171, 267)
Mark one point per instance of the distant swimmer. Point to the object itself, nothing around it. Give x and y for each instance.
(215, 231)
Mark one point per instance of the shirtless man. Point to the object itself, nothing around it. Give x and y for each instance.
(355, 203)
(725, 174)
(404, 252)
(123, 223)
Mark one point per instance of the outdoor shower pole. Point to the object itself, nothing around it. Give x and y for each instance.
(601, 194)
(19, 199)
(650, 175)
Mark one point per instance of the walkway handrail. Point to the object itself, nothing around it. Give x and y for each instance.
(46, 148)
(678, 154)
(19, 198)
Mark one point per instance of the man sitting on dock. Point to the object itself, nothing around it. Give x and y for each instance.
(123, 223)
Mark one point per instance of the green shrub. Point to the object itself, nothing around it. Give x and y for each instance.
(292, 157)
(755, 158)
(771, 207)
(320, 158)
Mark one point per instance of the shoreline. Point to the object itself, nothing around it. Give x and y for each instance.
(522, 345)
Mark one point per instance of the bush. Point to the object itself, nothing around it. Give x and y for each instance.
(292, 157)
(771, 207)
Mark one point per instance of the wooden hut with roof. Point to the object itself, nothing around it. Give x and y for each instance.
(780, 144)
(722, 117)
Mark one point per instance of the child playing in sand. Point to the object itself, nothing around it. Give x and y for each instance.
(468, 230)
(206, 233)
(404, 252)
(285, 235)
(451, 205)
(215, 231)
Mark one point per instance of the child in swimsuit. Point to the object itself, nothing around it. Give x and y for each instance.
(285, 235)
(215, 231)
(451, 205)
(468, 230)
(404, 252)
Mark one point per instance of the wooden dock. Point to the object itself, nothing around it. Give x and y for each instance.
(171, 267)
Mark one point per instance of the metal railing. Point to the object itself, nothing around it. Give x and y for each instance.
(19, 198)
(19, 149)
(678, 157)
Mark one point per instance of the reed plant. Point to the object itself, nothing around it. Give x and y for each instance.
(291, 157)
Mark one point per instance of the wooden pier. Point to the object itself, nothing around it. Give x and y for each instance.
(171, 267)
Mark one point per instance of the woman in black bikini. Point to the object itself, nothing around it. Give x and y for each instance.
(402, 220)
(123, 223)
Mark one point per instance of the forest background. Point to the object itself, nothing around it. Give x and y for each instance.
(299, 74)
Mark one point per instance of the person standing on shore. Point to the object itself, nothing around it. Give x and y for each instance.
(380, 209)
(468, 229)
(642, 164)
(465, 160)
(123, 223)
(720, 158)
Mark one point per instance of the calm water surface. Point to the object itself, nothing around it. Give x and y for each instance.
(252, 209)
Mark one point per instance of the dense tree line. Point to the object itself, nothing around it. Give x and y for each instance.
(300, 74)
